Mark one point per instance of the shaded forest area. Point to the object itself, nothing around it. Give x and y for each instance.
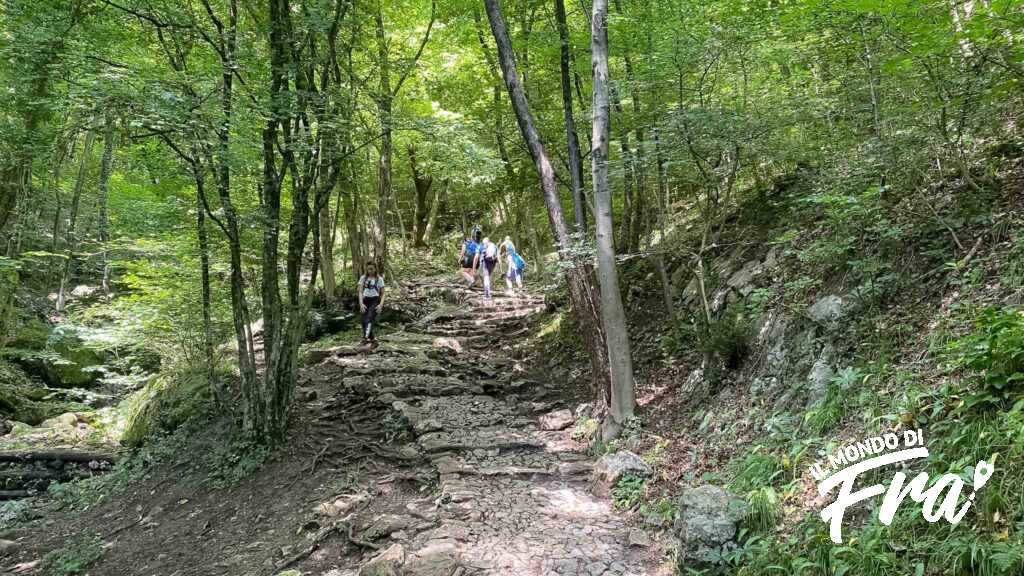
(761, 229)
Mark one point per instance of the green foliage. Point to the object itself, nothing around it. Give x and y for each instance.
(236, 462)
(763, 509)
(663, 510)
(74, 558)
(727, 337)
(8, 288)
(14, 512)
(994, 353)
(627, 492)
(828, 413)
(757, 470)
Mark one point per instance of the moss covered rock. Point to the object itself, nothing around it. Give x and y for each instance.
(72, 363)
(24, 400)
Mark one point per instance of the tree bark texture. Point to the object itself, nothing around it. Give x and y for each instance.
(621, 401)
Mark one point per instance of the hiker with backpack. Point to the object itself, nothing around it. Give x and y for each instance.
(467, 256)
(514, 263)
(371, 299)
(487, 259)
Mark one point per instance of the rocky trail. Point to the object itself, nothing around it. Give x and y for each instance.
(438, 453)
(512, 494)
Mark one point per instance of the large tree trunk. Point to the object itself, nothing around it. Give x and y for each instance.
(575, 159)
(622, 400)
(70, 241)
(578, 274)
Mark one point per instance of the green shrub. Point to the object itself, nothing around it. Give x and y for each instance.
(74, 558)
(627, 492)
(763, 509)
(823, 417)
(994, 353)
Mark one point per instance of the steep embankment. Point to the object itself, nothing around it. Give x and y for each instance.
(837, 313)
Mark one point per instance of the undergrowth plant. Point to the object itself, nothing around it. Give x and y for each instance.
(627, 492)
(74, 558)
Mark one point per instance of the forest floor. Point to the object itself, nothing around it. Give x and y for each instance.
(435, 452)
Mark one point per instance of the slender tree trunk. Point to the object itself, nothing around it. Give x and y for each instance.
(434, 207)
(327, 250)
(622, 400)
(65, 152)
(578, 275)
(384, 103)
(638, 160)
(422, 183)
(70, 242)
(629, 227)
(353, 219)
(575, 159)
(203, 240)
(106, 166)
(667, 290)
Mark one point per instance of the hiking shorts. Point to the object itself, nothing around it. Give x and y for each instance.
(514, 273)
(488, 267)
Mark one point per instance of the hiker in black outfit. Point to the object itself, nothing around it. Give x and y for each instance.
(371, 299)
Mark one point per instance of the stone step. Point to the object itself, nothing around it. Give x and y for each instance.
(496, 462)
(460, 412)
(499, 437)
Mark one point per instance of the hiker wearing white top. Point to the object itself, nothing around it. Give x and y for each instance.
(487, 259)
(513, 265)
(371, 299)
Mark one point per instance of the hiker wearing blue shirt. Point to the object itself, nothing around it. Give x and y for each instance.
(467, 256)
(514, 264)
(371, 299)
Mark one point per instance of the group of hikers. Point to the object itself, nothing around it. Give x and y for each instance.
(479, 255)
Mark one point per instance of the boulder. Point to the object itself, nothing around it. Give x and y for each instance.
(437, 559)
(828, 311)
(66, 420)
(743, 279)
(387, 563)
(557, 420)
(74, 363)
(384, 525)
(612, 467)
(584, 411)
(818, 380)
(316, 325)
(639, 538)
(706, 525)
